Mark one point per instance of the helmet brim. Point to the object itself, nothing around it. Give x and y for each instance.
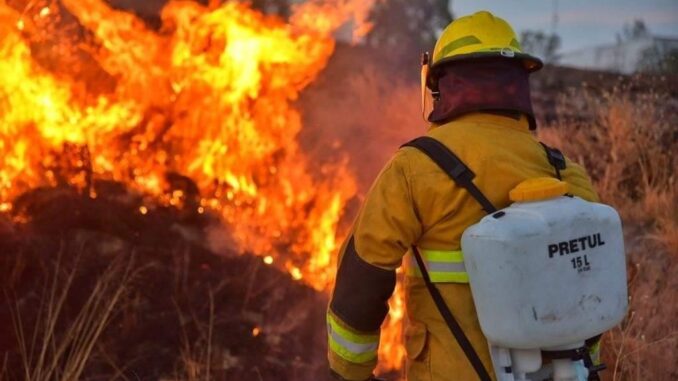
(531, 63)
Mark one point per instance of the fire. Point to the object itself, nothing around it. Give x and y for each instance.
(92, 93)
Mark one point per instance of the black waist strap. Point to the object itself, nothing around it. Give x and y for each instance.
(583, 354)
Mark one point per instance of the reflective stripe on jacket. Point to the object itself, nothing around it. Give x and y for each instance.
(413, 202)
(443, 266)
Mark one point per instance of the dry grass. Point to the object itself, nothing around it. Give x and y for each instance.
(629, 150)
(55, 348)
(180, 312)
(196, 355)
(628, 143)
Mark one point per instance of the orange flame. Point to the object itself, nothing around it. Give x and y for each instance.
(208, 95)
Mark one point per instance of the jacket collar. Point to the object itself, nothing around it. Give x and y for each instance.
(485, 118)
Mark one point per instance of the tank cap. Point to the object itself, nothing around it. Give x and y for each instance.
(540, 188)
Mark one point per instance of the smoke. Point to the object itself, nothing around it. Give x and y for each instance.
(360, 110)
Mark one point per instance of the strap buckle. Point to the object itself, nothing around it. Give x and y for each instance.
(462, 173)
(556, 157)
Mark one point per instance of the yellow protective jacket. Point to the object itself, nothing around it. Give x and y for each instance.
(414, 203)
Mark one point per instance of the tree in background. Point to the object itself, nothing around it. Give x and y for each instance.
(633, 31)
(403, 29)
(540, 44)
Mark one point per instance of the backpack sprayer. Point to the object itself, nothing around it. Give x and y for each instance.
(547, 273)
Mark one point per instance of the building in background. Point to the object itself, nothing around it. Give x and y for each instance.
(642, 53)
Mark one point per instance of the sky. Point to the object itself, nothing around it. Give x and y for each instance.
(582, 23)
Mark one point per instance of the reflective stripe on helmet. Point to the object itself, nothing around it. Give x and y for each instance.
(350, 346)
(443, 266)
(457, 44)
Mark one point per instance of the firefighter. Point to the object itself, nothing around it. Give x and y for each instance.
(482, 111)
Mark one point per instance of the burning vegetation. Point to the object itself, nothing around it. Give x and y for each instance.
(208, 97)
(192, 121)
(130, 155)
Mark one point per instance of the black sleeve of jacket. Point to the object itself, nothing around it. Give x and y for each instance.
(385, 229)
(362, 291)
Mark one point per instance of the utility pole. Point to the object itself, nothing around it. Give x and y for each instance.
(555, 19)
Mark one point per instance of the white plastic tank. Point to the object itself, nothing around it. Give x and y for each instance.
(549, 271)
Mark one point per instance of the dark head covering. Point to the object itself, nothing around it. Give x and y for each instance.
(493, 84)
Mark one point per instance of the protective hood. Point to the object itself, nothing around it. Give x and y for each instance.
(494, 84)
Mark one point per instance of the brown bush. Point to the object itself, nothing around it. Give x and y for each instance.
(628, 143)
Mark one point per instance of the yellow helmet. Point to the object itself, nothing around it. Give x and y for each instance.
(481, 34)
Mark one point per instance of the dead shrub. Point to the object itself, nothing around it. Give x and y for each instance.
(628, 143)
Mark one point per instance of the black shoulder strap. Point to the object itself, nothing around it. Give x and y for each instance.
(556, 159)
(463, 176)
(453, 166)
(452, 323)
